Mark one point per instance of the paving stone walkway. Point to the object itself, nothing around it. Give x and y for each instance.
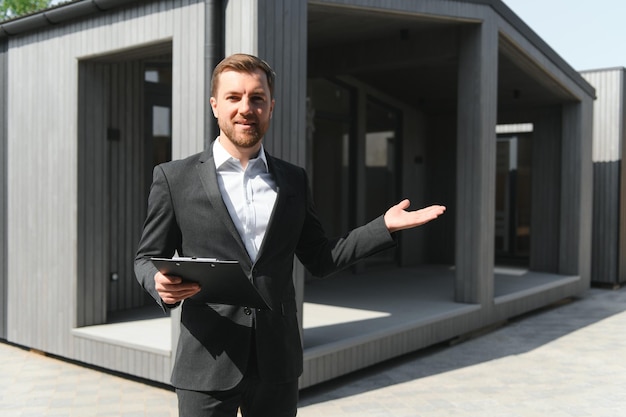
(565, 361)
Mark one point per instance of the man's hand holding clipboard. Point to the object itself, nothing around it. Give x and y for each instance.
(173, 289)
(206, 280)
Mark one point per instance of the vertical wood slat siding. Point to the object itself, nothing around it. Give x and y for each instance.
(189, 105)
(622, 190)
(322, 365)
(476, 157)
(277, 34)
(283, 41)
(126, 194)
(3, 190)
(545, 192)
(43, 206)
(445, 8)
(608, 211)
(150, 365)
(585, 222)
(41, 220)
(241, 27)
(213, 53)
(576, 190)
(92, 191)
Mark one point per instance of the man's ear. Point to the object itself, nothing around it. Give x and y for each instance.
(213, 102)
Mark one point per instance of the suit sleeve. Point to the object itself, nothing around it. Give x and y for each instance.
(161, 236)
(323, 256)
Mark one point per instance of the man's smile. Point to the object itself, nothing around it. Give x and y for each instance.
(246, 124)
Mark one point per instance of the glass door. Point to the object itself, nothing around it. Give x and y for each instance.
(513, 171)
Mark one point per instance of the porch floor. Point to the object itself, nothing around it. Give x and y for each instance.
(344, 307)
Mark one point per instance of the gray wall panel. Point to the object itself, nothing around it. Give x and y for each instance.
(127, 194)
(476, 163)
(576, 191)
(111, 188)
(545, 196)
(609, 213)
(3, 190)
(605, 247)
(48, 166)
(282, 41)
(213, 54)
(276, 32)
(92, 194)
(622, 189)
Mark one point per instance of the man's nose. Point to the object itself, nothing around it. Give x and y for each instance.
(244, 106)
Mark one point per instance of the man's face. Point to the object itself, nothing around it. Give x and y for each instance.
(243, 107)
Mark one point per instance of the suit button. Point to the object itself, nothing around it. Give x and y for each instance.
(247, 311)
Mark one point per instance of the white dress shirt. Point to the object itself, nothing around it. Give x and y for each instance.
(249, 195)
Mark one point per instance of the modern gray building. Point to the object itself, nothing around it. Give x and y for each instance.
(380, 100)
(609, 178)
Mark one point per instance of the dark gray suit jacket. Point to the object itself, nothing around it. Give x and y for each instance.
(186, 214)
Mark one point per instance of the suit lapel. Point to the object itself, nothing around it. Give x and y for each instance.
(208, 178)
(283, 192)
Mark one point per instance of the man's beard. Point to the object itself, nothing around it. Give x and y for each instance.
(247, 139)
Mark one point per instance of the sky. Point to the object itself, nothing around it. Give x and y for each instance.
(587, 34)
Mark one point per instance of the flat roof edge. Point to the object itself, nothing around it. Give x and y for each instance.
(58, 14)
(76, 9)
(514, 20)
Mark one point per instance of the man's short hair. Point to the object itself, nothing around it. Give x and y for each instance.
(242, 63)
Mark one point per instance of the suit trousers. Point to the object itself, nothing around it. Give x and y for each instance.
(252, 396)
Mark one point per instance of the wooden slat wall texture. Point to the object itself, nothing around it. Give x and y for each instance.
(112, 190)
(283, 41)
(127, 193)
(213, 54)
(275, 30)
(545, 191)
(459, 10)
(476, 156)
(155, 366)
(576, 190)
(43, 197)
(92, 194)
(324, 364)
(241, 28)
(4, 240)
(608, 250)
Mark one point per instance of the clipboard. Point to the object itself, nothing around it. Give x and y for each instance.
(222, 282)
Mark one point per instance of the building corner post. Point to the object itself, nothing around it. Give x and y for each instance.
(476, 157)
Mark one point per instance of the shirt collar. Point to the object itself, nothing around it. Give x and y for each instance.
(221, 155)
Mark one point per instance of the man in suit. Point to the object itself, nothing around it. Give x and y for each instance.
(236, 202)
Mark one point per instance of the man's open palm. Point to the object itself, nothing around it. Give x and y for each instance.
(398, 218)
